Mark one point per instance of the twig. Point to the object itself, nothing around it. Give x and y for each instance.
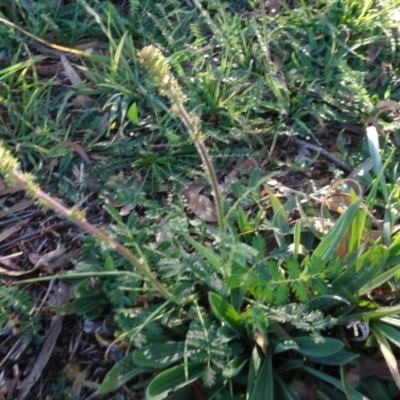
(342, 165)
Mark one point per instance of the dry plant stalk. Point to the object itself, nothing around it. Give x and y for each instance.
(157, 66)
(10, 168)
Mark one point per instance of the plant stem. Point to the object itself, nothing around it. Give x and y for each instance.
(202, 149)
(82, 222)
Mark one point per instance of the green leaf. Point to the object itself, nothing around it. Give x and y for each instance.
(356, 395)
(327, 249)
(379, 280)
(387, 353)
(374, 150)
(133, 114)
(391, 333)
(118, 52)
(234, 367)
(342, 357)
(173, 379)
(159, 356)
(243, 222)
(261, 322)
(109, 263)
(120, 373)
(208, 254)
(264, 384)
(255, 364)
(226, 313)
(306, 345)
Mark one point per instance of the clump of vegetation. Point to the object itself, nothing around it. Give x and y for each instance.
(231, 281)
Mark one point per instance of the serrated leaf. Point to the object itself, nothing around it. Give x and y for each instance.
(208, 377)
(159, 356)
(132, 114)
(173, 379)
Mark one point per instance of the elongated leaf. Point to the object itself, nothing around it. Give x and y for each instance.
(374, 150)
(173, 379)
(342, 357)
(120, 373)
(234, 367)
(264, 385)
(387, 353)
(208, 254)
(379, 280)
(133, 114)
(390, 332)
(255, 365)
(356, 395)
(159, 356)
(327, 249)
(226, 313)
(307, 346)
(118, 52)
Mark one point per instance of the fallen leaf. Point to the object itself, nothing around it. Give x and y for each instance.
(22, 205)
(75, 79)
(10, 231)
(199, 204)
(373, 52)
(63, 295)
(5, 189)
(378, 369)
(388, 105)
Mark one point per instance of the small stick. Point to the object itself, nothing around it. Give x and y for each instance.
(342, 165)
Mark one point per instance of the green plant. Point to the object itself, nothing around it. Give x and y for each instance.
(16, 313)
(266, 305)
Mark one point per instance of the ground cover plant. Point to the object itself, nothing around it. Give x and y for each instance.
(233, 172)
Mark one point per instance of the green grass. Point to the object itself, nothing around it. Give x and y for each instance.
(260, 306)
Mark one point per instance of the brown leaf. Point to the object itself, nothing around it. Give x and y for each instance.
(260, 342)
(22, 205)
(202, 207)
(5, 189)
(75, 79)
(373, 52)
(46, 70)
(63, 294)
(378, 369)
(10, 231)
(388, 105)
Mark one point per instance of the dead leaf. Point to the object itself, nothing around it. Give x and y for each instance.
(373, 52)
(10, 231)
(5, 189)
(63, 295)
(75, 79)
(388, 105)
(199, 204)
(47, 70)
(22, 205)
(378, 369)
(9, 264)
(273, 6)
(260, 342)
(88, 47)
